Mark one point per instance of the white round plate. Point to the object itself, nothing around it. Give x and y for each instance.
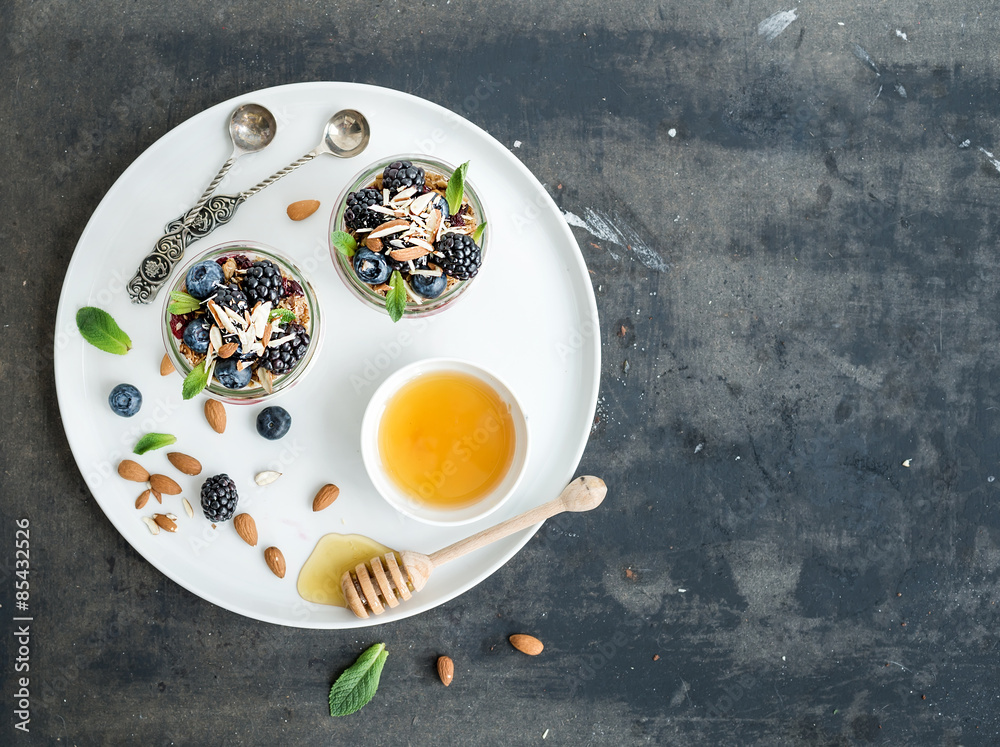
(536, 329)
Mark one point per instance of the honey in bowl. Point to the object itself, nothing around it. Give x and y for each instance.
(446, 439)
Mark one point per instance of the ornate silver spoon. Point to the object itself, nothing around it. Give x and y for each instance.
(346, 134)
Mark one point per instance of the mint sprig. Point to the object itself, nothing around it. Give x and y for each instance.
(456, 188)
(353, 689)
(284, 315)
(344, 243)
(195, 381)
(477, 235)
(100, 330)
(153, 441)
(182, 303)
(395, 299)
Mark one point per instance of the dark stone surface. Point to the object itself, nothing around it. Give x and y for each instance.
(805, 273)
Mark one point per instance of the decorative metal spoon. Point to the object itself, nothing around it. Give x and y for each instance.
(346, 134)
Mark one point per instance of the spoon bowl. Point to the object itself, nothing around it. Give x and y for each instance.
(346, 134)
(252, 127)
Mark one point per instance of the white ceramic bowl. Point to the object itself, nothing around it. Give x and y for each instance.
(392, 493)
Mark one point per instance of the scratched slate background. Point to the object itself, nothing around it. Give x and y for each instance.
(793, 220)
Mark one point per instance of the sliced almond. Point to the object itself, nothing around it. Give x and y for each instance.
(259, 318)
(404, 194)
(434, 222)
(387, 229)
(374, 245)
(166, 366)
(380, 209)
(132, 471)
(420, 203)
(526, 644)
(266, 478)
(164, 484)
(187, 508)
(153, 527)
(325, 497)
(246, 527)
(215, 337)
(281, 340)
(268, 331)
(275, 561)
(165, 522)
(186, 464)
(215, 414)
(142, 499)
(302, 209)
(218, 314)
(266, 379)
(227, 350)
(410, 252)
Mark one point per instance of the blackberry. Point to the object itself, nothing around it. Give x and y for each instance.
(232, 298)
(262, 282)
(399, 175)
(357, 215)
(282, 359)
(460, 258)
(219, 497)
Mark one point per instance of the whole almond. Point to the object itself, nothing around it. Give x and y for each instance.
(374, 244)
(157, 495)
(215, 414)
(142, 499)
(186, 464)
(166, 366)
(164, 484)
(325, 497)
(526, 644)
(133, 471)
(246, 527)
(302, 209)
(227, 350)
(275, 561)
(446, 669)
(165, 522)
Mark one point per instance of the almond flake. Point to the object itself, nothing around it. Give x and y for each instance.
(383, 210)
(393, 226)
(281, 341)
(362, 230)
(413, 296)
(266, 380)
(266, 478)
(154, 528)
(428, 273)
(217, 313)
(266, 336)
(420, 203)
(420, 242)
(385, 197)
(215, 337)
(259, 318)
(187, 508)
(434, 223)
(240, 365)
(404, 194)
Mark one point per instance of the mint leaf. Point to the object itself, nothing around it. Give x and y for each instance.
(101, 331)
(344, 243)
(395, 299)
(284, 315)
(182, 303)
(477, 235)
(195, 381)
(357, 685)
(456, 188)
(153, 441)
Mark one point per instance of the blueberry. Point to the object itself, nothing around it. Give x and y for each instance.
(228, 375)
(125, 400)
(370, 267)
(427, 286)
(273, 422)
(196, 335)
(440, 204)
(202, 279)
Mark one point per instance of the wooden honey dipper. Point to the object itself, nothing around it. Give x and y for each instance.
(370, 587)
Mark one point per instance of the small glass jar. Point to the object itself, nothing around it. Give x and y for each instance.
(433, 169)
(253, 393)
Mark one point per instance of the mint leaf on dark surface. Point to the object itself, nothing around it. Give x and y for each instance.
(100, 330)
(358, 684)
(456, 188)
